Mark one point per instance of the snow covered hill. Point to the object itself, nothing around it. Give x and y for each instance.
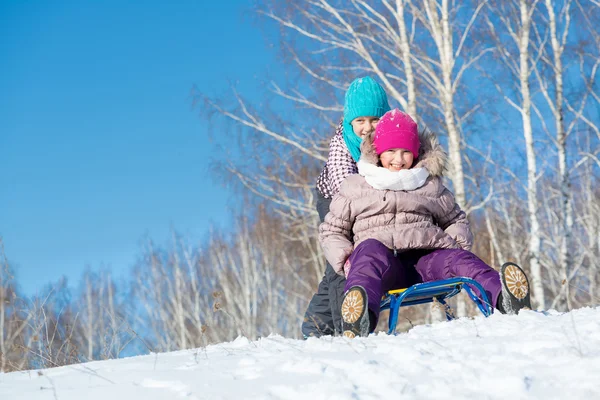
(530, 356)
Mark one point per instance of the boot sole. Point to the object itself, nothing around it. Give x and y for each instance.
(353, 308)
(517, 285)
(516, 281)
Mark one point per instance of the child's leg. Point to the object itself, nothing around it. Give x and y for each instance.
(337, 283)
(374, 268)
(322, 315)
(450, 263)
(318, 320)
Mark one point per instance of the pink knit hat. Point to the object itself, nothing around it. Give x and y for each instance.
(396, 130)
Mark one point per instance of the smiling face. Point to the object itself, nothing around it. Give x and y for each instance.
(396, 159)
(362, 126)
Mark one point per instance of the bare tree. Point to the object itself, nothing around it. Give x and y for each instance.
(516, 19)
(175, 296)
(260, 273)
(557, 106)
(441, 71)
(14, 320)
(102, 330)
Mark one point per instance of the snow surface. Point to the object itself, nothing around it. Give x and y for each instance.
(529, 356)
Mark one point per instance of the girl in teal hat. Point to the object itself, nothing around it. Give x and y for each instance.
(365, 102)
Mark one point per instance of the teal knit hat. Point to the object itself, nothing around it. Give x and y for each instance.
(364, 98)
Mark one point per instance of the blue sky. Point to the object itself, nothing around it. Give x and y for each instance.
(99, 144)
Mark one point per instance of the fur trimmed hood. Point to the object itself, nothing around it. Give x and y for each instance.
(431, 154)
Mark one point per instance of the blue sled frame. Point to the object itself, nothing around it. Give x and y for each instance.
(428, 292)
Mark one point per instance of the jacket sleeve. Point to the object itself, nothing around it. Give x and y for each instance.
(454, 221)
(339, 161)
(335, 233)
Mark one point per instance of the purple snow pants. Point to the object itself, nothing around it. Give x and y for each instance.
(377, 270)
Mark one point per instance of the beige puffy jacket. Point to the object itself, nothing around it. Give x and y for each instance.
(424, 218)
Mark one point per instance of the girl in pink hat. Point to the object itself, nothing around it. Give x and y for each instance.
(383, 234)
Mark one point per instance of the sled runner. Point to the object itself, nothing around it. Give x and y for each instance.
(428, 292)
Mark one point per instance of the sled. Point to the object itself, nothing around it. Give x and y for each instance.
(428, 292)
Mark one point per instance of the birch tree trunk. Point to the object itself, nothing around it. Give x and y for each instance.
(436, 18)
(443, 40)
(566, 214)
(521, 17)
(89, 295)
(406, 54)
(524, 73)
(441, 33)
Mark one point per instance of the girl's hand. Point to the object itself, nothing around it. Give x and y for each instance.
(347, 267)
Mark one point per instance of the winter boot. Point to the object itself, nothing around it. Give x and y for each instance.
(515, 289)
(355, 314)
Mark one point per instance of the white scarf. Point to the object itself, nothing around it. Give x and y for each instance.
(384, 179)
